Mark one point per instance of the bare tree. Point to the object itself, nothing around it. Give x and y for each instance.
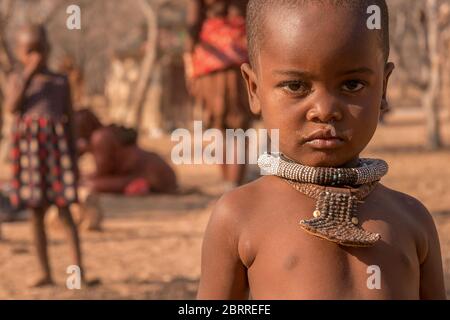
(5, 54)
(6, 60)
(420, 31)
(431, 97)
(150, 10)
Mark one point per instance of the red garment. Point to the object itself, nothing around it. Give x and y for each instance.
(223, 44)
(44, 168)
(137, 187)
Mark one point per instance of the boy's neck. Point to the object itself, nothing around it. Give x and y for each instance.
(353, 163)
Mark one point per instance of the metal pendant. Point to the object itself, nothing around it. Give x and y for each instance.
(335, 220)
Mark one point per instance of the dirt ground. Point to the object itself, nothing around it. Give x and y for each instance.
(150, 248)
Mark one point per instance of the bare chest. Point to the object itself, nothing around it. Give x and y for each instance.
(286, 262)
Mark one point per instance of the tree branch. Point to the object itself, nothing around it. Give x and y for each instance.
(6, 10)
(52, 12)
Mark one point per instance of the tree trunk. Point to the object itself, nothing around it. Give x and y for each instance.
(147, 66)
(6, 62)
(431, 97)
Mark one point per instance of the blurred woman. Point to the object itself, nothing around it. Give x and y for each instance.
(215, 50)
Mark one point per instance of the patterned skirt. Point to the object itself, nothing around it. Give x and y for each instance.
(44, 168)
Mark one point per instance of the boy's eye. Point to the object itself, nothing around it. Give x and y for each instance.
(296, 87)
(353, 86)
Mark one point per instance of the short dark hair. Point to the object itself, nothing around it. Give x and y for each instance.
(36, 35)
(86, 123)
(257, 9)
(125, 136)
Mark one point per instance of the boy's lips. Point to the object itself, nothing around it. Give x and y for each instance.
(324, 139)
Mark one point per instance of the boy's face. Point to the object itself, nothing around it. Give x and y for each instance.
(320, 78)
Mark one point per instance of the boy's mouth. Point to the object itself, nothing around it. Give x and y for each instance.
(324, 139)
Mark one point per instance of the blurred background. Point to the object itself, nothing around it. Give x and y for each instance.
(126, 65)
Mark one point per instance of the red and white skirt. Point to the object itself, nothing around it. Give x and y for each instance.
(44, 166)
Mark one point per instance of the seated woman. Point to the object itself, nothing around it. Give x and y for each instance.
(121, 166)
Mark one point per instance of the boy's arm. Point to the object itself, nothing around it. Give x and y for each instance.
(431, 273)
(223, 276)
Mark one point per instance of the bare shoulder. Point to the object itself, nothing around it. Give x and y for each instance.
(233, 214)
(240, 204)
(413, 207)
(244, 197)
(413, 214)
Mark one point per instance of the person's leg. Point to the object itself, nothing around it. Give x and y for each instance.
(212, 87)
(40, 240)
(217, 98)
(90, 211)
(234, 173)
(236, 117)
(72, 235)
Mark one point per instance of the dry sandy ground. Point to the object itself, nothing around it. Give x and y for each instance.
(150, 248)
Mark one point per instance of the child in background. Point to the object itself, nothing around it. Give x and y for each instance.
(44, 155)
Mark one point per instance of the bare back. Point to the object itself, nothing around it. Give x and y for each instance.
(124, 163)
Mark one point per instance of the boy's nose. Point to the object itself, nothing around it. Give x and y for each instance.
(324, 109)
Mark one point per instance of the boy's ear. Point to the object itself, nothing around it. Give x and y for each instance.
(250, 80)
(388, 69)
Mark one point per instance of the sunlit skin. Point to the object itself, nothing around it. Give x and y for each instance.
(318, 68)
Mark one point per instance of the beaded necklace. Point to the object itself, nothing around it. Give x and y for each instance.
(369, 170)
(335, 217)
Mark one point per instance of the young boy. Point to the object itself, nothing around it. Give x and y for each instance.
(319, 75)
(44, 157)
